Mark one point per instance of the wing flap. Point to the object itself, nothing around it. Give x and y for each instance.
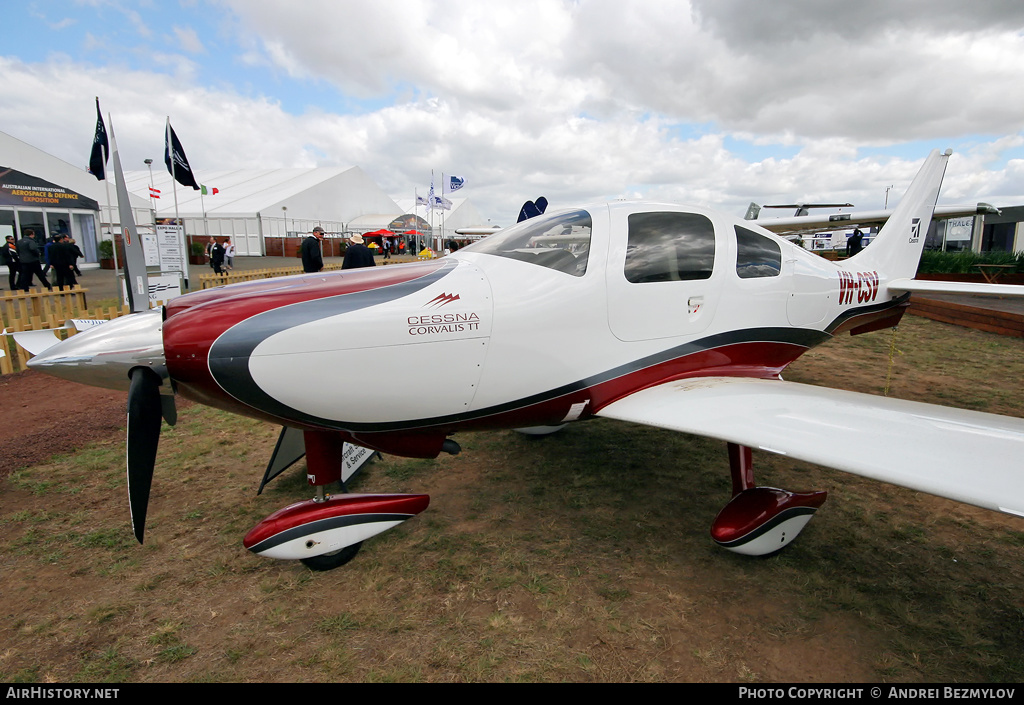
(968, 456)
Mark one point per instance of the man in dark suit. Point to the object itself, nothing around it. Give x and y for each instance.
(357, 255)
(312, 254)
(217, 258)
(62, 259)
(9, 256)
(30, 254)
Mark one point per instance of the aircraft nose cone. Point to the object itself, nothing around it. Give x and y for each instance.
(103, 356)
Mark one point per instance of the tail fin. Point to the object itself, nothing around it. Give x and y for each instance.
(896, 250)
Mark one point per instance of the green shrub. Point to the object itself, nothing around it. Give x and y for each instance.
(936, 262)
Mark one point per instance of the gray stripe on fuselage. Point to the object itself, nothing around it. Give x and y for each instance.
(229, 354)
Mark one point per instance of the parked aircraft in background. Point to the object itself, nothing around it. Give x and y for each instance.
(802, 220)
(652, 313)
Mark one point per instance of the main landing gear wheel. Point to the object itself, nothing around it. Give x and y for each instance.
(760, 521)
(332, 560)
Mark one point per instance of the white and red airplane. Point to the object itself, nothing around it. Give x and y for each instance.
(652, 313)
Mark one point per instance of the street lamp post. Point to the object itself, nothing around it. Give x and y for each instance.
(149, 163)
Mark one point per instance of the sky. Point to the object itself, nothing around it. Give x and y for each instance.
(714, 103)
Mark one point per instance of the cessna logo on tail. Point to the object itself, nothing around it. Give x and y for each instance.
(915, 230)
(441, 300)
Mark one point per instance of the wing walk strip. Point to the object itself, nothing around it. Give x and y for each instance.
(968, 456)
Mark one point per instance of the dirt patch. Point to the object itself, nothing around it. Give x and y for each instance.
(41, 416)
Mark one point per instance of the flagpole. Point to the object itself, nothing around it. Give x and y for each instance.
(102, 167)
(177, 219)
(110, 211)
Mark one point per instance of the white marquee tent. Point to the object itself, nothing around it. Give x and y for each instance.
(252, 204)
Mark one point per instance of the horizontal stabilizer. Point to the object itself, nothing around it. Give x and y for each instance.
(968, 456)
(927, 286)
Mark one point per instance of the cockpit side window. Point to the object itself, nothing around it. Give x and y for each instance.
(669, 247)
(756, 255)
(559, 241)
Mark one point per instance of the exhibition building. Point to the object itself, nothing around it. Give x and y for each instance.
(251, 206)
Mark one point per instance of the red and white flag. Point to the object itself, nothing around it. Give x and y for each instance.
(154, 192)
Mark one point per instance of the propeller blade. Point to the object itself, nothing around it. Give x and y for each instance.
(169, 409)
(144, 415)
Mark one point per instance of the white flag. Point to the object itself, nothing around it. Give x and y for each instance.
(455, 183)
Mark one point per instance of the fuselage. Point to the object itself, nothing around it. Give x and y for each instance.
(541, 324)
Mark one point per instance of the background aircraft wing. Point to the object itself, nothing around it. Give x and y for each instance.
(968, 456)
(854, 219)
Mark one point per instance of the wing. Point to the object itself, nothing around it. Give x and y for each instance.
(968, 456)
(854, 219)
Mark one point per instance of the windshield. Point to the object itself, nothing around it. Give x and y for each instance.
(559, 241)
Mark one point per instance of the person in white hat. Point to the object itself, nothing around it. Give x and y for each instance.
(357, 255)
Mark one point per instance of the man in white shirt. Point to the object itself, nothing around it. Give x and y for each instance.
(229, 254)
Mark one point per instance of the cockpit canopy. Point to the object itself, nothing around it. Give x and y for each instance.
(661, 246)
(559, 241)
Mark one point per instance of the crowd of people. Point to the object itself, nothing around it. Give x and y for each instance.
(27, 261)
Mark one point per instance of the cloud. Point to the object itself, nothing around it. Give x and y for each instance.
(713, 103)
(189, 40)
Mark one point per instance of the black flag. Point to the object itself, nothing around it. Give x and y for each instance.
(180, 169)
(100, 148)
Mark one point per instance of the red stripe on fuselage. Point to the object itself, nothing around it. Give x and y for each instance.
(761, 359)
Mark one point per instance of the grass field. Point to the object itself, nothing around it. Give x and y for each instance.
(583, 556)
